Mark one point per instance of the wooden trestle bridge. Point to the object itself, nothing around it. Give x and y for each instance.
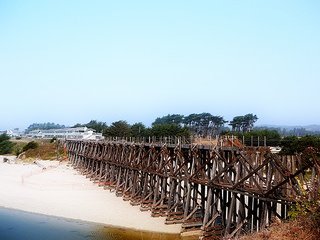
(221, 190)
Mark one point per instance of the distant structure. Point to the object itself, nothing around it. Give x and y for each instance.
(82, 133)
(12, 133)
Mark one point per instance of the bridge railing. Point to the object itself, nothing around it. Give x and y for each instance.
(212, 141)
(217, 140)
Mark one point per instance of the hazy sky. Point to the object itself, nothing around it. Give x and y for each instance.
(73, 61)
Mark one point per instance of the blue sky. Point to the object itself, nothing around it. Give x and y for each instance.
(72, 61)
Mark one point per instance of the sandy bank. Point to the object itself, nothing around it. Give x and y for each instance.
(57, 189)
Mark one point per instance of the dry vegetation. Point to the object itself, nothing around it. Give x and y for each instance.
(205, 141)
(302, 228)
(304, 224)
(46, 150)
(227, 141)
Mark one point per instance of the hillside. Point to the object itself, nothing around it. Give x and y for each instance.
(45, 149)
(304, 227)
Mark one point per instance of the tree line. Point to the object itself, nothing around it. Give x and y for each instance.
(206, 124)
(44, 126)
(200, 125)
(124, 129)
(195, 124)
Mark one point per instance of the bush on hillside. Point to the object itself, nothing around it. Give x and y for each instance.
(5, 145)
(30, 145)
(292, 145)
(4, 137)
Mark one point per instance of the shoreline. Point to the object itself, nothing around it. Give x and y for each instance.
(97, 225)
(58, 190)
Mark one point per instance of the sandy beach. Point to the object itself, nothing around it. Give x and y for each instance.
(56, 189)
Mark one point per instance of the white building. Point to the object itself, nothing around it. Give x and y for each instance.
(12, 133)
(66, 133)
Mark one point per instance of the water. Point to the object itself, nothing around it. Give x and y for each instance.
(19, 225)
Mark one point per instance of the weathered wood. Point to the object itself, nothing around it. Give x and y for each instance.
(221, 189)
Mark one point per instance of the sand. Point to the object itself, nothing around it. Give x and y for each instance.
(56, 189)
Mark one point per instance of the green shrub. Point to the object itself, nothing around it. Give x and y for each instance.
(30, 145)
(292, 145)
(4, 137)
(17, 151)
(6, 147)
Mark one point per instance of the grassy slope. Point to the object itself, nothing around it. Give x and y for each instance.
(304, 227)
(45, 150)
